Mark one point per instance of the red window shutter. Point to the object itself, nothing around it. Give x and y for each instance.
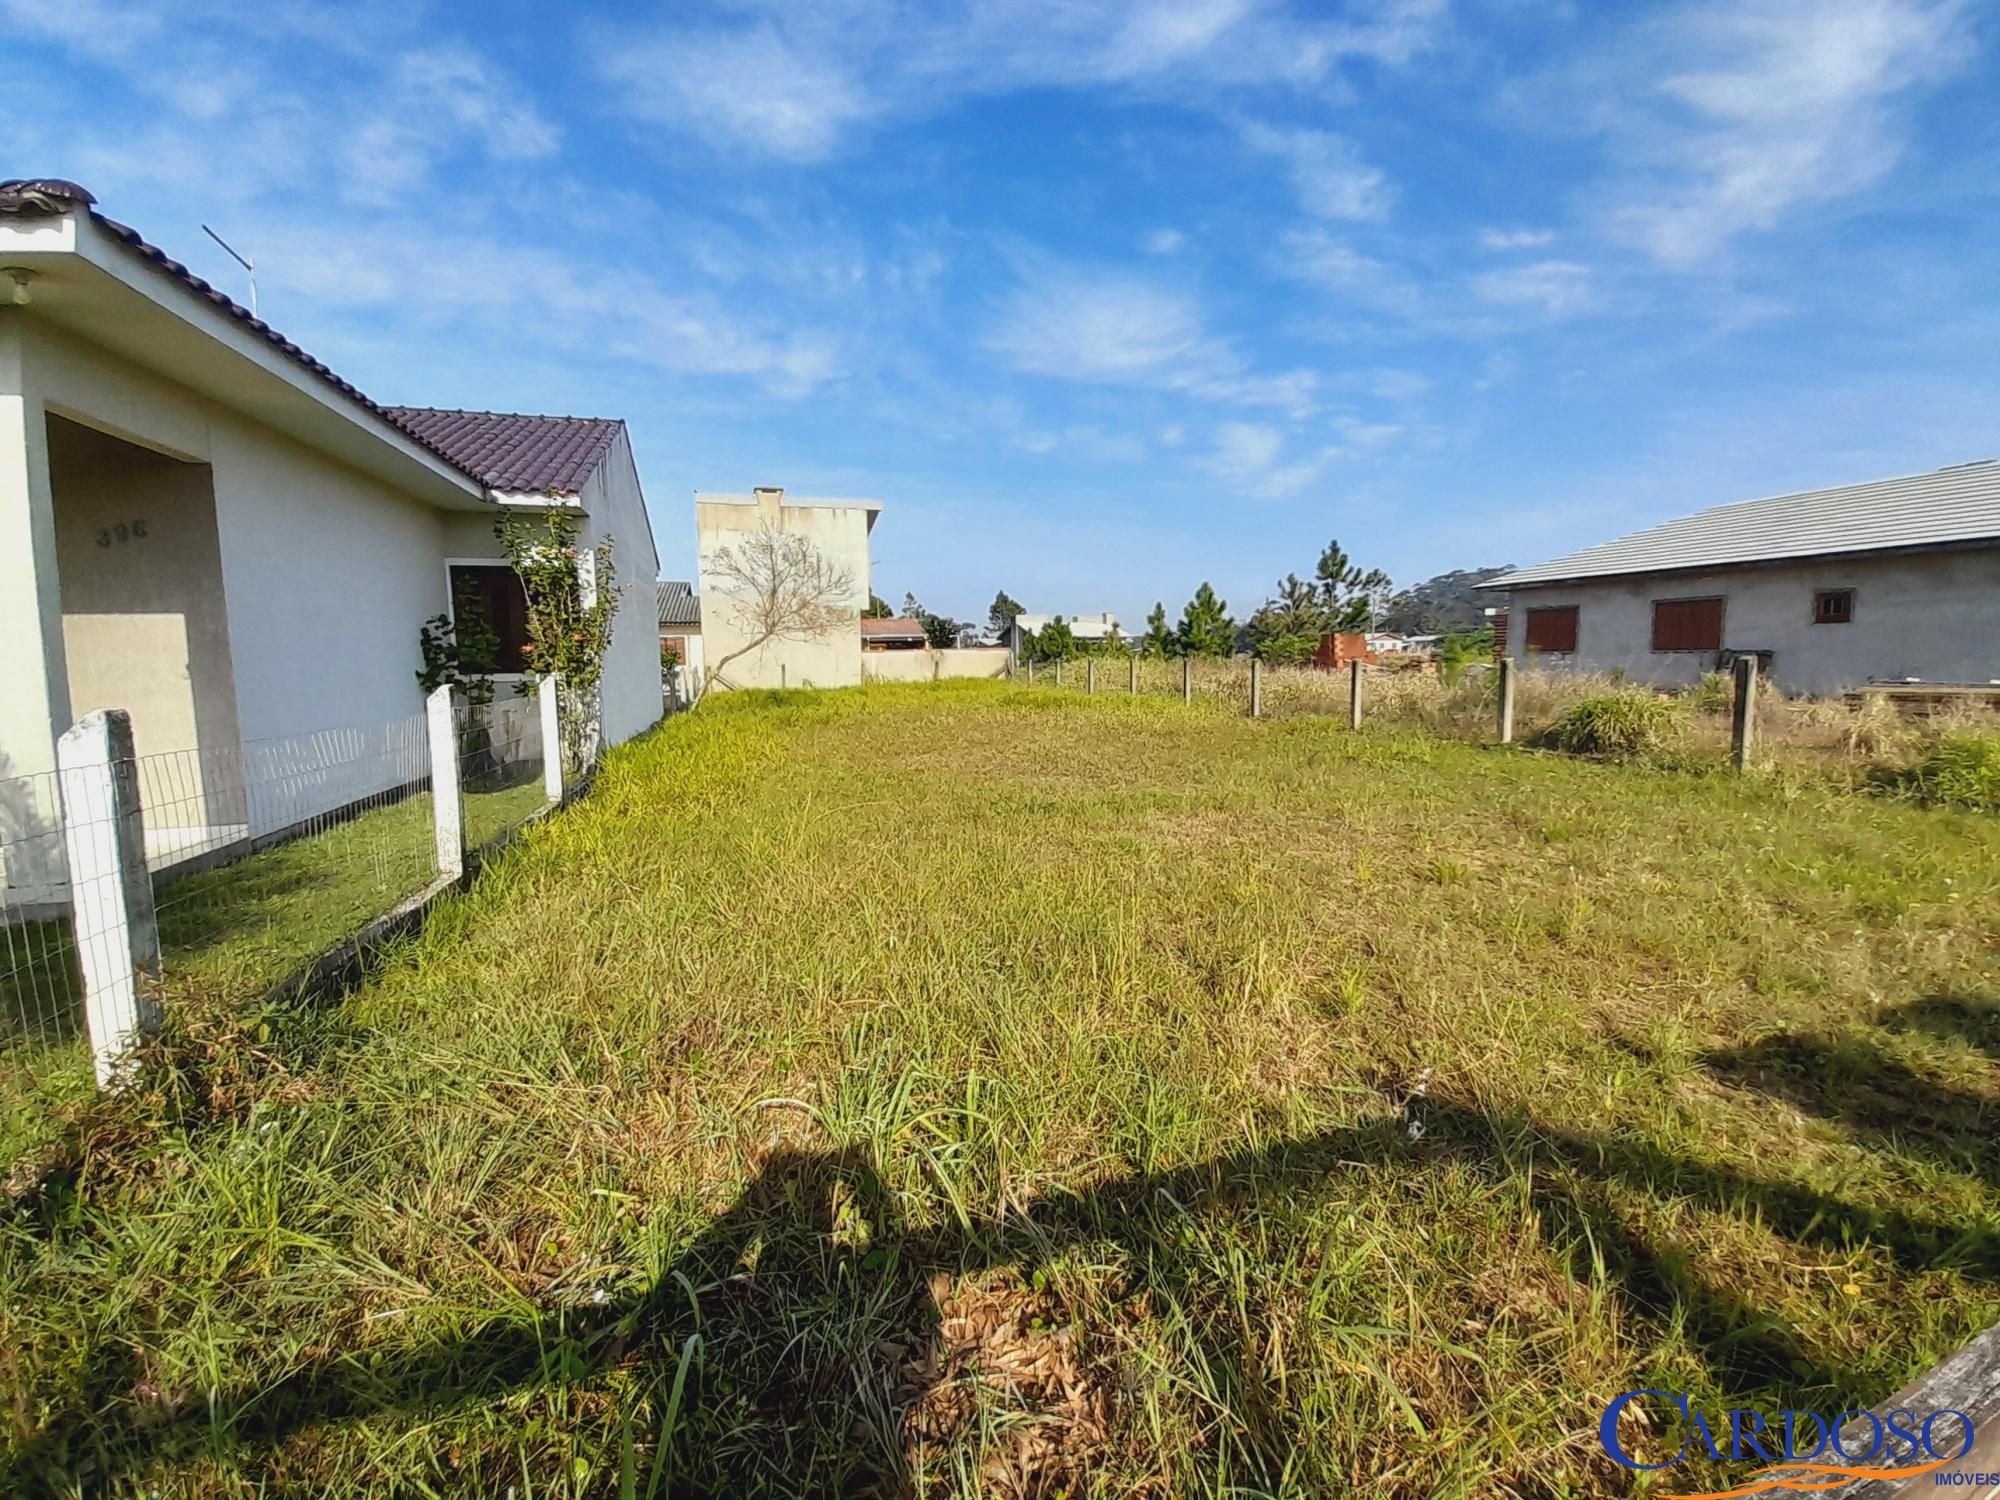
(503, 604)
(1500, 636)
(1687, 624)
(1552, 628)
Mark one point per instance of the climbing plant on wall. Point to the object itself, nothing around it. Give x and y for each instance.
(572, 595)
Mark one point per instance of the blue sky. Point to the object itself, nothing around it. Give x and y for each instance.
(1101, 297)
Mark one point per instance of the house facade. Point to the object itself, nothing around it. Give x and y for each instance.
(893, 635)
(203, 525)
(838, 531)
(1896, 580)
(679, 609)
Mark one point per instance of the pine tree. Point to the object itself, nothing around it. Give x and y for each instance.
(1158, 641)
(1003, 613)
(1055, 641)
(1205, 628)
(1287, 630)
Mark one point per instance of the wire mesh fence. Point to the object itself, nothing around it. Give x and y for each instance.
(229, 867)
(500, 767)
(40, 990)
(266, 853)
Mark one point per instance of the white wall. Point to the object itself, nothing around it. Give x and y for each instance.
(1933, 616)
(840, 531)
(928, 665)
(615, 507)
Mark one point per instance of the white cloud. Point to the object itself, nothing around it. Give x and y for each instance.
(1162, 242)
(498, 294)
(1249, 457)
(1112, 328)
(750, 86)
(1728, 117)
(797, 82)
(1556, 288)
(1516, 239)
(1327, 171)
(1315, 256)
(434, 104)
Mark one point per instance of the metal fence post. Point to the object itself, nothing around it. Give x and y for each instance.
(552, 752)
(1743, 714)
(1506, 702)
(1354, 694)
(111, 890)
(1256, 688)
(1132, 675)
(447, 805)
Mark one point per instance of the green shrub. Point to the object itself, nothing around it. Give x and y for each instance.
(1617, 726)
(1962, 769)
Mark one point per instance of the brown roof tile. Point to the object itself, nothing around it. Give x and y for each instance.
(508, 451)
(892, 630)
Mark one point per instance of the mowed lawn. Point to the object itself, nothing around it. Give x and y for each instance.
(963, 1090)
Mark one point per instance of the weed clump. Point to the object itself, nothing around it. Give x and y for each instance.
(1616, 726)
(1961, 770)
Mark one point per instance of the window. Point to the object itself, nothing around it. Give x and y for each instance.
(1687, 624)
(1833, 606)
(494, 595)
(1552, 629)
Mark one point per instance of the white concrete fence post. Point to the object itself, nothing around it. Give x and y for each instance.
(1090, 675)
(447, 803)
(1132, 675)
(1506, 702)
(111, 890)
(549, 706)
(1743, 714)
(1256, 688)
(1354, 694)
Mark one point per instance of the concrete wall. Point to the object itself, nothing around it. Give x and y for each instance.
(839, 529)
(929, 666)
(1933, 616)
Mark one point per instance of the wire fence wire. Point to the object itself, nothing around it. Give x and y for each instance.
(500, 767)
(40, 981)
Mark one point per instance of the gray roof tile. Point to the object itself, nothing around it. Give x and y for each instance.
(1946, 507)
(678, 604)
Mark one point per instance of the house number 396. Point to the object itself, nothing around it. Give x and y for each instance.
(123, 532)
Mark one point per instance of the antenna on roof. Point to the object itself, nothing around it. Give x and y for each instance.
(242, 260)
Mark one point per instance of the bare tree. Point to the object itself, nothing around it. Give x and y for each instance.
(779, 587)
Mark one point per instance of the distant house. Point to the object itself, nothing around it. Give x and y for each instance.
(1890, 581)
(679, 608)
(838, 530)
(1099, 627)
(892, 635)
(203, 525)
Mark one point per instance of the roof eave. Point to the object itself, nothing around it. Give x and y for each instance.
(1965, 544)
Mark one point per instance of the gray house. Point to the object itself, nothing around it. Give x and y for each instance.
(1892, 581)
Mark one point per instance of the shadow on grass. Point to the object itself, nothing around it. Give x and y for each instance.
(1851, 1081)
(774, 1316)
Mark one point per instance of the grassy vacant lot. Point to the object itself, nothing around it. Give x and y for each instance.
(962, 1090)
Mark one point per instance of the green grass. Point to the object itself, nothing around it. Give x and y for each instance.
(961, 1089)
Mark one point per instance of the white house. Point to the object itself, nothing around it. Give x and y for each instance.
(838, 531)
(1890, 581)
(1099, 627)
(680, 629)
(202, 524)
